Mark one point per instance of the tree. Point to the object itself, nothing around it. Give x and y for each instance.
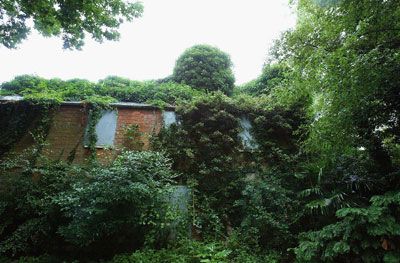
(345, 55)
(23, 82)
(205, 67)
(273, 75)
(69, 19)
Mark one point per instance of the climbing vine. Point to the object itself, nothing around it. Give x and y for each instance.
(24, 118)
(93, 117)
(133, 138)
(213, 160)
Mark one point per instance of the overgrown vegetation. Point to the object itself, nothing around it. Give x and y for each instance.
(300, 165)
(107, 90)
(92, 212)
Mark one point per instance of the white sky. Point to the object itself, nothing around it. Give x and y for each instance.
(150, 45)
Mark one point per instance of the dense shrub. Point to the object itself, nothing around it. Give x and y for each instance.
(29, 219)
(266, 212)
(191, 251)
(279, 132)
(146, 92)
(365, 234)
(93, 212)
(22, 82)
(109, 89)
(205, 149)
(116, 207)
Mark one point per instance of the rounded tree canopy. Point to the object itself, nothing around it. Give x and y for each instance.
(205, 67)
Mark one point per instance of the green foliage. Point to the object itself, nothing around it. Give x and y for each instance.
(70, 211)
(118, 205)
(151, 256)
(133, 138)
(54, 90)
(351, 180)
(71, 20)
(345, 55)
(146, 92)
(105, 91)
(190, 251)
(279, 132)
(266, 211)
(22, 82)
(206, 68)
(321, 185)
(272, 76)
(207, 150)
(370, 234)
(29, 218)
(211, 131)
(18, 118)
(94, 115)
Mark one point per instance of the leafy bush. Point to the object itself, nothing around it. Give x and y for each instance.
(146, 92)
(370, 234)
(92, 212)
(116, 207)
(279, 132)
(151, 256)
(110, 89)
(29, 219)
(206, 142)
(190, 251)
(267, 212)
(18, 84)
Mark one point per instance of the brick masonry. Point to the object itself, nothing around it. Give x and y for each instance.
(66, 133)
(65, 137)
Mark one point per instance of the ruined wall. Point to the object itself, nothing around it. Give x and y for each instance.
(148, 120)
(65, 140)
(66, 133)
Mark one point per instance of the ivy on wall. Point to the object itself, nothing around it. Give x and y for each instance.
(31, 119)
(133, 138)
(21, 119)
(212, 158)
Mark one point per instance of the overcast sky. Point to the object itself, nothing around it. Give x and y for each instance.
(150, 45)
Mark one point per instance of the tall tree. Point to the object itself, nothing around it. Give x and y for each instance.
(346, 54)
(205, 67)
(70, 19)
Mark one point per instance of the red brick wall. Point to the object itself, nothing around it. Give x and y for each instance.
(148, 120)
(67, 132)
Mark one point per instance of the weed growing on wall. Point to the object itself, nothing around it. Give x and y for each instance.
(133, 138)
